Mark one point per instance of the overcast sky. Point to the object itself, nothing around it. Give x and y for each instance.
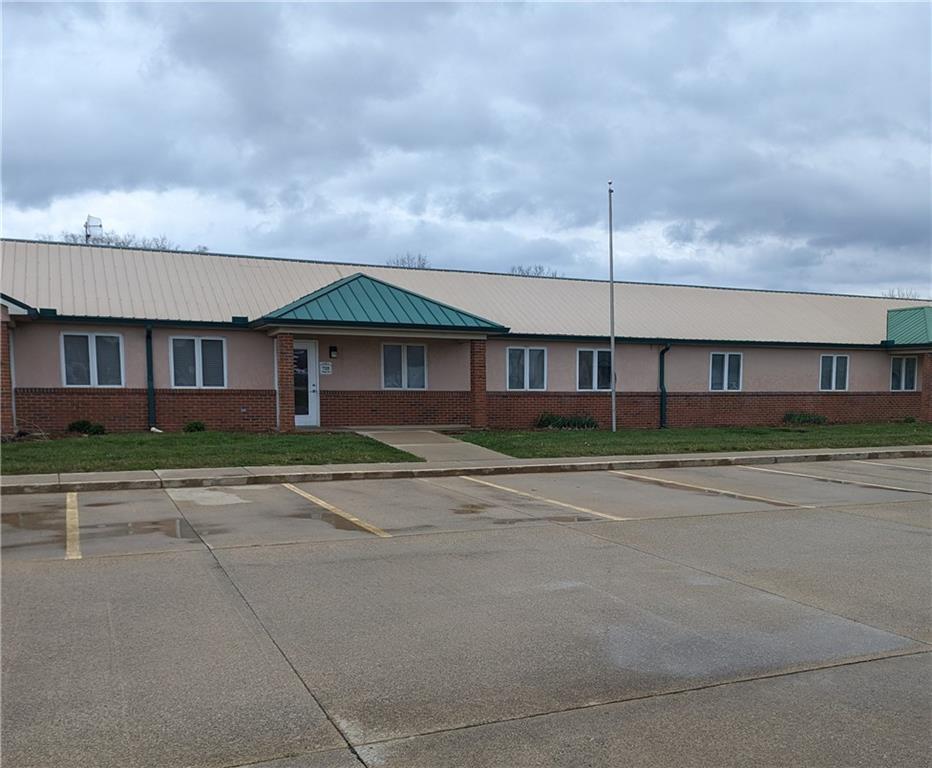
(773, 146)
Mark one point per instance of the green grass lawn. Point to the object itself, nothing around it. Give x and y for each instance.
(145, 450)
(556, 443)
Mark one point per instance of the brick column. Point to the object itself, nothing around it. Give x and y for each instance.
(284, 355)
(925, 381)
(478, 397)
(6, 383)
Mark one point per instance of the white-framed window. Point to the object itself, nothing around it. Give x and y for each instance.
(725, 371)
(404, 366)
(526, 368)
(198, 362)
(92, 360)
(593, 369)
(833, 373)
(903, 374)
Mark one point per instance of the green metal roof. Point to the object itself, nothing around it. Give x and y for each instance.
(363, 300)
(912, 325)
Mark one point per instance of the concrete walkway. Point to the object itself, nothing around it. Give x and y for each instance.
(433, 446)
(187, 478)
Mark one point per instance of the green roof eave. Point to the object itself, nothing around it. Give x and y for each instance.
(271, 322)
(910, 326)
(364, 301)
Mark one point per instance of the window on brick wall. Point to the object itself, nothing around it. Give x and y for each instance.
(593, 369)
(903, 374)
(833, 373)
(92, 359)
(527, 368)
(404, 366)
(725, 371)
(198, 362)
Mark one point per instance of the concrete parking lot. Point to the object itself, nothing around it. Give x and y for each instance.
(724, 616)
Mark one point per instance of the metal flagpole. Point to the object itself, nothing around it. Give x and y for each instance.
(611, 304)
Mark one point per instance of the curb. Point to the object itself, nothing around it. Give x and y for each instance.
(572, 465)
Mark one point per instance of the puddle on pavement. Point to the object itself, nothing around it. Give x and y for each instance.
(470, 509)
(173, 528)
(335, 521)
(548, 518)
(35, 521)
(411, 529)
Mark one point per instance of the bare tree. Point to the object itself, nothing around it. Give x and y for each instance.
(409, 261)
(901, 293)
(534, 270)
(121, 240)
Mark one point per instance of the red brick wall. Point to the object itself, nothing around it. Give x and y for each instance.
(478, 396)
(753, 408)
(53, 409)
(124, 410)
(340, 408)
(6, 382)
(234, 410)
(925, 381)
(284, 356)
(516, 410)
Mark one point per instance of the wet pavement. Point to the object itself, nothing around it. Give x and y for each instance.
(719, 616)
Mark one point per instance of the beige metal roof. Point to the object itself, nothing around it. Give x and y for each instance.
(126, 283)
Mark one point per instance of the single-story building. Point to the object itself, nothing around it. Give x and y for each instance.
(138, 338)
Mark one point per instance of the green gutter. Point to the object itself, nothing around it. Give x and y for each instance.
(265, 322)
(497, 332)
(654, 341)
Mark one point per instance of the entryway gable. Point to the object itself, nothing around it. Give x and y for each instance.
(362, 300)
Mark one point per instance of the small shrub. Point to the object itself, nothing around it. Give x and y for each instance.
(96, 429)
(579, 422)
(195, 426)
(81, 425)
(547, 421)
(552, 421)
(908, 420)
(803, 417)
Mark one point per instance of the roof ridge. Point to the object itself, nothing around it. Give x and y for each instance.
(463, 271)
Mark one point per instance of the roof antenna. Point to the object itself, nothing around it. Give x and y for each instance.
(93, 227)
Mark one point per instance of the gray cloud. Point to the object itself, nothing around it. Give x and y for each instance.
(750, 144)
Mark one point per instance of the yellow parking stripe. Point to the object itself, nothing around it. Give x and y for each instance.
(584, 510)
(707, 489)
(72, 527)
(825, 479)
(361, 524)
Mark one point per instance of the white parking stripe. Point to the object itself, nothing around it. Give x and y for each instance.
(584, 510)
(706, 489)
(895, 466)
(825, 479)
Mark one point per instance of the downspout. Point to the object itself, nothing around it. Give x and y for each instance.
(12, 363)
(150, 379)
(663, 386)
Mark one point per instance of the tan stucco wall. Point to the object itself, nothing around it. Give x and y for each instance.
(38, 352)
(358, 365)
(636, 363)
(769, 369)
(250, 362)
(765, 369)
(250, 356)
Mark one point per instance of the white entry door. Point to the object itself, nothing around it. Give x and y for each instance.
(306, 385)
